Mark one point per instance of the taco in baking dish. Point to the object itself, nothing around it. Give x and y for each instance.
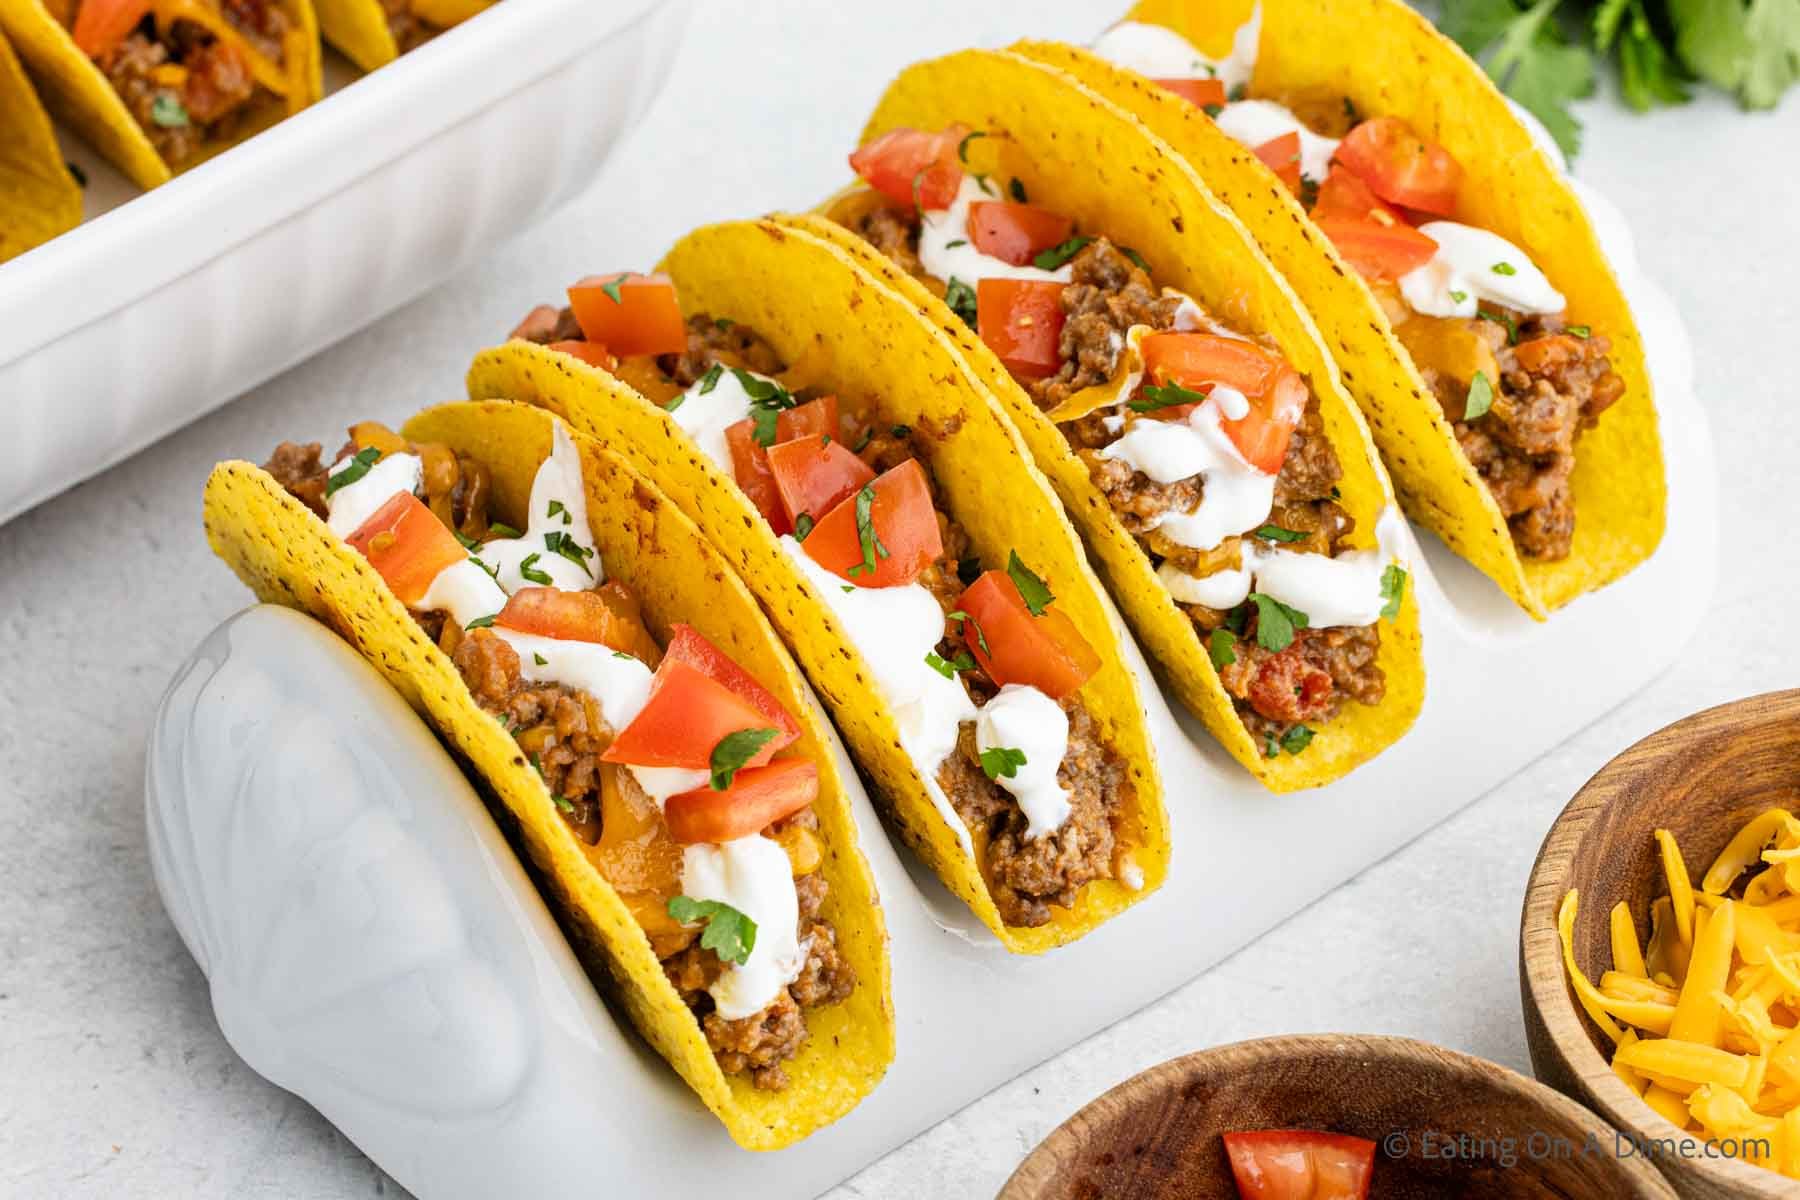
(38, 196)
(830, 443)
(1170, 386)
(1443, 255)
(372, 33)
(159, 86)
(573, 637)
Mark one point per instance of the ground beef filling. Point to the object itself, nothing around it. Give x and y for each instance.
(1553, 385)
(1106, 296)
(564, 732)
(409, 31)
(262, 23)
(186, 89)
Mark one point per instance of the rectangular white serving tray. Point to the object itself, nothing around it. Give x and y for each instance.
(1500, 692)
(162, 306)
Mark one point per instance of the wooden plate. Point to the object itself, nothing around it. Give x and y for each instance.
(1448, 1125)
(1702, 779)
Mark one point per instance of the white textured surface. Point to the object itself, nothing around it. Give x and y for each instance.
(117, 1081)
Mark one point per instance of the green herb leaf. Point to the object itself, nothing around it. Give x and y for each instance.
(1393, 590)
(1309, 192)
(1237, 92)
(1502, 318)
(764, 423)
(961, 299)
(733, 751)
(1137, 259)
(1275, 622)
(564, 544)
(1526, 53)
(1296, 739)
(962, 147)
(1481, 397)
(1032, 589)
(539, 659)
(674, 402)
(1169, 395)
(359, 466)
(532, 573)
(500, 529)
(1017, 189)
(1221, 647)
(901, 431)
(612, 289)
(958, 242)
(710, 380)
(1056, 256)
(765, 392)
(563, 803)
(1271, 747)
(949, 667)
(803, 525)
(865, 532)
(1581, 331)
(486, 622)
(862, 443)
(468, 543)
(1001, 761)
(969, 623)
(623, 654)
(1212, 110)
(723, 322)
(492, 572)
(556, 509)
(1458, 296)
(1275, 533)
(729, 933)
(168, 112)
(1504, 268)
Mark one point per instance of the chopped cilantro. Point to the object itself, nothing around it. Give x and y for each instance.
(527, 571)
(803, 525)
(1581, 331)
(962, 147)
(733, 751)
(1275, 533)
(1275, 622)
(1309, 192)
(612, 287)
(961, 299)
(710, 380)
(865, 532)
(900, 431)
(729, 933)
(556, 509)
(486, 622)
(958, 242)
(468, 543)
(1213, 110)
(1296, 739)
(998, 761)
(1136, 258)
(1169, 395)
(1481, 397)
(1458, 295)
(564, 544)
(501, 529)
(1032, 589)
(862, 443)
(1221, 647)
(1238, 92)
(969, 623)
(1393, 589)
(949, 667)
(723, 322)
(1504, 268)
(539, 659)
(1056, 256)
(168, 112)
(1503, 318)
(359, 466)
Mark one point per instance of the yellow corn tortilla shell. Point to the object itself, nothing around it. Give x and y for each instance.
(78, 92)
(860, 338)
(359, 28)
(1082, 156)
(1389, 61)
(288, 556)
(38, 197)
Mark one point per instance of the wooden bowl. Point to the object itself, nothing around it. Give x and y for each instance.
(1157, 1135)
(1702, 779)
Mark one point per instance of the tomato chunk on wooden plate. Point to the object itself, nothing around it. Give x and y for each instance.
(1300, 1164)
(913, 166)
(408, 544)
(883, 534)
(629, 313)
(1021, 320)
(1045, 651)
(757, 797)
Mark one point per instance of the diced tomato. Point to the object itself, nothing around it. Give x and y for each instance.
(1378, 251)
(1282, 156)
(408, 545)
(1276, 392)
(1021, 320)
(570, 616)
(903, 525)
(750, 467)
(1015, 233)
(813, 474)
(1300, 1164)
(1401, 167)
(591, 353)
(815, 418)
(101, 25)
(756, 799)
(689, 645)
(1201, 93)
(645, 319)
(1046, 652)
(1344, 195)
(687, 715)
(911, 166)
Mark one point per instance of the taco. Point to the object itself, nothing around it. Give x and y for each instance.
(373, 33)
(1171, 387)
(607, 677)
(832, 446)
(1446, 259)
(38, 195)
(159, 86)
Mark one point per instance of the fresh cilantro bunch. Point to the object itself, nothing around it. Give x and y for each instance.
(1543, 52)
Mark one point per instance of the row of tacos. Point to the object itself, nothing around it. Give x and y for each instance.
(160, 86)
(1180, 321)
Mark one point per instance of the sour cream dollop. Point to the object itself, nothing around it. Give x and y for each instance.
(1344, 589)
(1025, 720)
(1235, 495)
(755, 876)
(558, 517)
(708, 409)
(1161, 53)
(948, 252)
(1472, 265)
(353, 503)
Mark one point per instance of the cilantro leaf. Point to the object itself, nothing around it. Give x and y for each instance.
(733, 751)
(961, 299)
(948, 667)
(1032, 589)
(1481, 397)
(359, 466)
(1296, 739)
(962, 147)
(564, 544)
(1169, 395)
(532, 573)
(1526, 54)
(1275, 622)
(803, 525)
(612, 287)
(998, 761)
(1275, 533)
(710, 380)
(729, 933)
(168, 112)
(1056, 256)
(1393, 590)
(486, 622)
(1221, 647)
(968, 623)
(865, 532)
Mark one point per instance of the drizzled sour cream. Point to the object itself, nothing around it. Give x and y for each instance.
(1472, 265)
(1235, 496)
(948, 252)
(1344, 589)
(1026, 720)
(353, 503)
(705, 415)
(753, 875)
(1161, 53)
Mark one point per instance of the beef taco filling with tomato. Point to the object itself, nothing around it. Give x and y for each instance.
(1208, 446)
(1483, 324)
(190, 72)
(976, 662)
(665, 761)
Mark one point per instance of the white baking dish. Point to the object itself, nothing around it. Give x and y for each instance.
(159, 311)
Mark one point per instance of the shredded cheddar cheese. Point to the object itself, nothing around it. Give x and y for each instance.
(1704, 1015)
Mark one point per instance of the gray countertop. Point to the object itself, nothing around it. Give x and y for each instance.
(114, 1079)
